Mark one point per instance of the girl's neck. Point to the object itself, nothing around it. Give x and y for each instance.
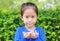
(30, 28)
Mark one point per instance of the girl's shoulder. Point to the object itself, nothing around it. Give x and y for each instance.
(40, 30)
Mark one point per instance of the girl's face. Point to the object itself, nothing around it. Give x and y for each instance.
(29, 17)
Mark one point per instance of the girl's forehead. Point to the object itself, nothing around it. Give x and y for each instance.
(29, 12)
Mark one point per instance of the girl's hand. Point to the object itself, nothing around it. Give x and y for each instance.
(34, 34)
(27, 34)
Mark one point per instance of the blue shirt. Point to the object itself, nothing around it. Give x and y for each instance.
(20, 37)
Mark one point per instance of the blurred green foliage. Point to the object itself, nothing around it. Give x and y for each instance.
(49, 19)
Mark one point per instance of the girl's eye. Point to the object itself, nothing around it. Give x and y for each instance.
(32, 16)
(26, 16)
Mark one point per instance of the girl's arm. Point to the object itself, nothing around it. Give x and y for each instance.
(42, 35)
(19, 36)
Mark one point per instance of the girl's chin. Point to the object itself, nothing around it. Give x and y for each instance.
(30, 25)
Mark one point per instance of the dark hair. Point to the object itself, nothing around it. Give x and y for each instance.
(27, 5)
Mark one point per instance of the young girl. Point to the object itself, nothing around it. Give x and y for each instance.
(29, 32)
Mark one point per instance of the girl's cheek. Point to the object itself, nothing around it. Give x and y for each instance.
(35, 20)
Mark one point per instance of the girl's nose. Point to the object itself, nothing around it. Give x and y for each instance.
(30, 19)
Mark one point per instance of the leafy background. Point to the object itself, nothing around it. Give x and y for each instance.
(49, 18)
